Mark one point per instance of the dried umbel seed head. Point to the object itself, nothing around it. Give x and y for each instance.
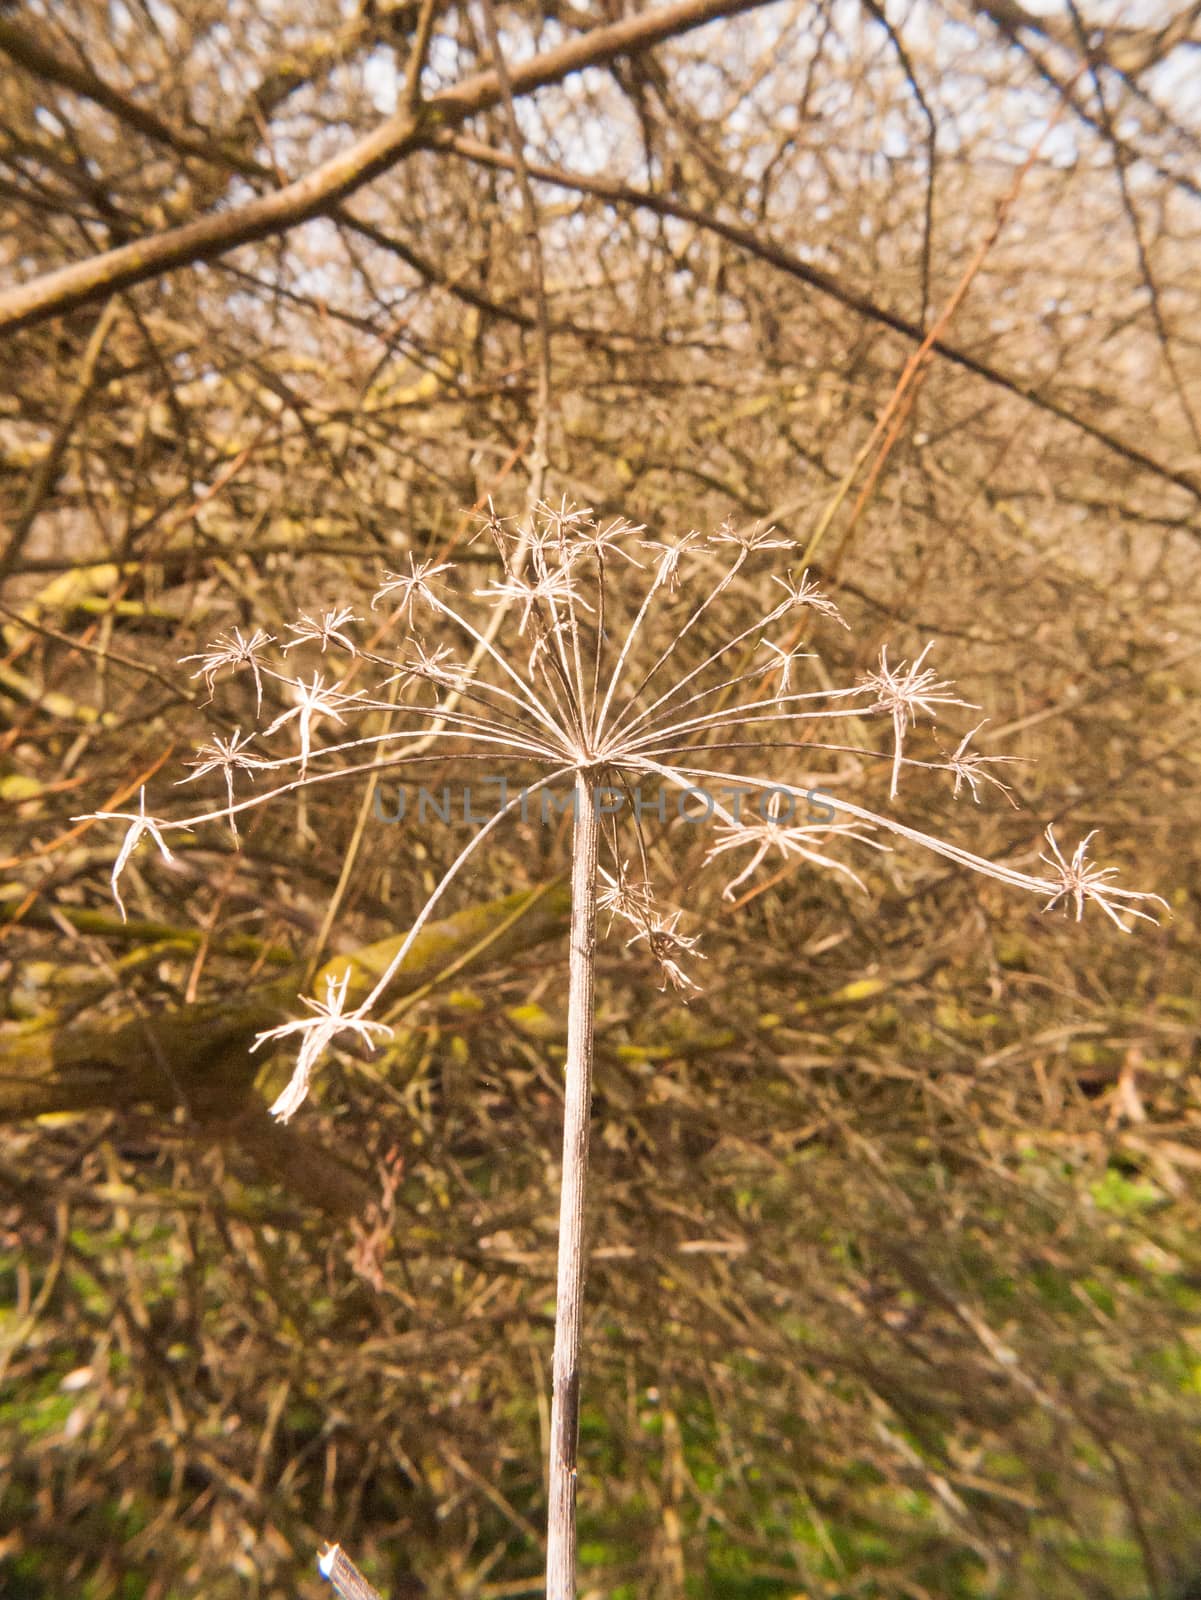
(324, 630)
(330, 1019)
(904, 691)
(1079, 881)
(583, 666)
(668, 945)
(232, 650)
(138, 824)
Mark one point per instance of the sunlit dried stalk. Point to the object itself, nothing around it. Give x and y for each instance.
(566, 699)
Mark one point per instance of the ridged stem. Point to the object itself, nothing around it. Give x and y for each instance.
(565, 1402)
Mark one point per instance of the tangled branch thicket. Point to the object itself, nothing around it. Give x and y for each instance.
(566, 695)
(893, 1267)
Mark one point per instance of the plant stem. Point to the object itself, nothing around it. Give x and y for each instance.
(565, 1403)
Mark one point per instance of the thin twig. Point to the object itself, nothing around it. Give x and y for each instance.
(43, 479)
(900, 403)
(540, 453)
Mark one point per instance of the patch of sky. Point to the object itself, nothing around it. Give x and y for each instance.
(120, 18)
(1176, 83)
(576, 120)
(532, 125)
(317, 265)
(1060, 145)
(221, 80)
(164, 17)
(552, 35)
(896, 137)
(678, 234)
(381, 80)
(244, 310)
(47, 119)
(443, 64)
(238, 192)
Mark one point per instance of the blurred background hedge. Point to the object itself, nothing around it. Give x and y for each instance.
(895, 1284)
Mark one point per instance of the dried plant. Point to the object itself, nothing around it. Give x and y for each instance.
(568, 697)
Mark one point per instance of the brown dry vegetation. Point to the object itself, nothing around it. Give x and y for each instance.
(895, 1287)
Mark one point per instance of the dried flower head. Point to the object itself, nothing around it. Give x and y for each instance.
(225, 755)
(803, 591)
(313, 700)
(559, 678)
(667, 569)
(412, 586)
(317, 1032)
(438, 666)
(752, 538)
(324, 630)
(554, 588)
(231, 650)
(592, 705)
(1080, 880)
(623, 897)
(904, 691)
(786, 658)
(592, 539)
(668, 945)
(139, 823)
(769, 833)
(968, 767)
